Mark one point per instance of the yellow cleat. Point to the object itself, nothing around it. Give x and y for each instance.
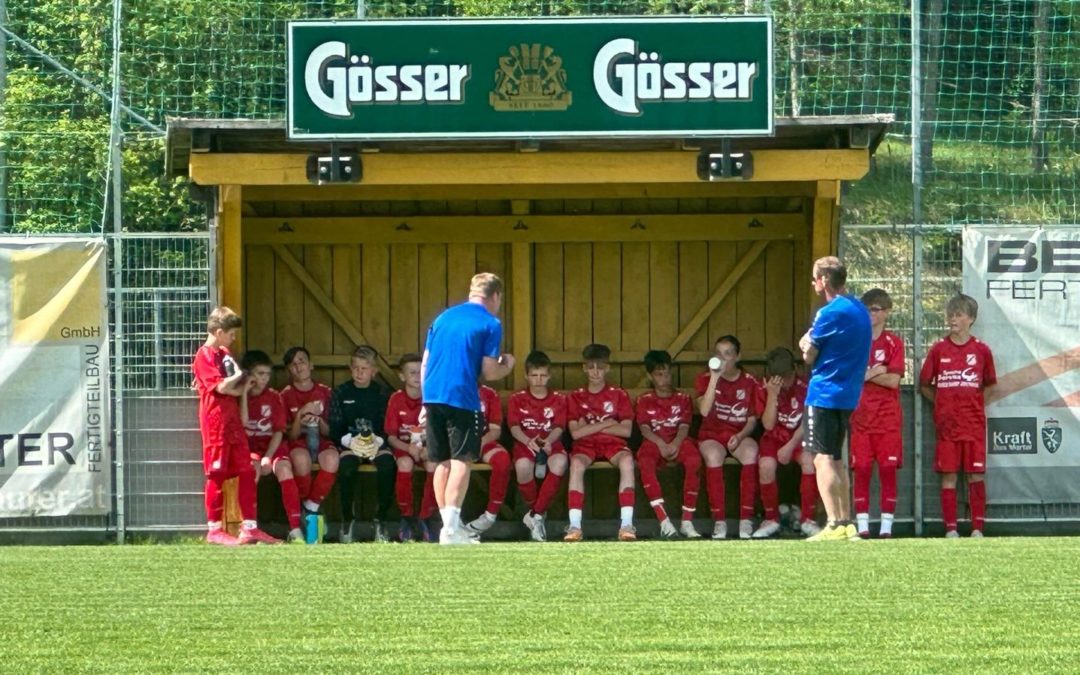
(852, 533)
(830, 533)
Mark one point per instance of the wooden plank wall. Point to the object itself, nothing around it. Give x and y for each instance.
(633, 296)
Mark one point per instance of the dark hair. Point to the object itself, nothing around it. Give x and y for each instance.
(654, 358)
(537, 359)
(732, 340)
(291, 353)
(962, 303)
(223, 318)
(877, 296)
(254, 357)
(411, 357)
(780, 361)
(365, 353)
(596, 352)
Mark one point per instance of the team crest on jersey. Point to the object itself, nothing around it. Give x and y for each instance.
(609, 407)
(740, 394)
(265, 410)
(794, 403)
(879, 355)
(548, 413)
(971, 359)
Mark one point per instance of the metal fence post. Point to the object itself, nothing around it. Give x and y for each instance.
(917, 353)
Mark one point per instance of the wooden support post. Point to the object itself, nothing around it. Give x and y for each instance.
(232, 255)
(521, 295)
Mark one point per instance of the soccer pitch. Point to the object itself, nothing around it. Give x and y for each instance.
(1007, 604)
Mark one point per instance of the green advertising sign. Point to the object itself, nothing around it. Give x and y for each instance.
(543, 78)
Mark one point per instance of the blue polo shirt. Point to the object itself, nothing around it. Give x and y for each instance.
(842, 335)
(457, 343)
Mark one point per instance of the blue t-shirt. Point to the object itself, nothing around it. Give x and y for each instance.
(457, 343)
(842, 335)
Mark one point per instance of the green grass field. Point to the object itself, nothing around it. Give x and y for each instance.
(1006, 604)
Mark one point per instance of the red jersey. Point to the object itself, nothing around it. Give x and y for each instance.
(664, 414)
(294, 399)
(733, 405)
(219, 414)
(790, 405)
(959, 373)
(403, 416)
(879, 407)
(490, 405)
(609, 403)
(266, 416)
(536, 416)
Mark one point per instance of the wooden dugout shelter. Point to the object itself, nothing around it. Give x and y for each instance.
(619, 241)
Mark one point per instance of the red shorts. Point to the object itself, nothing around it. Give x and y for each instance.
(599, 447)
(399, 454)
(887, 449)
(522, 451)
(770, 445)
(687, 448)
(721, 436)
(494, 445)
(228, 459)
(960, 456)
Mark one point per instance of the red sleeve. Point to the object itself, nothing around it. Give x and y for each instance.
(640, 417)
(277, 412)
(625, 410)
(687, 409)
(560, 406)
(325, 394)
(989, 371)
(513, 416)
(701, 383)
(573, 408)
(392, 425)
(896, 361)
(207, 371)
(760, 398)
(493, 404)
(928, 374)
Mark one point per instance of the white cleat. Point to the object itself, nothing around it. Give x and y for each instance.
(296, 536)
(539, 529)
(667, 529)
(479, 526)
(719, 530)
(457, 537)
(347, 532)
(976, 534)
(768, 528)
(746, 529)
(687, 530)
(952, 534)
(809, 528)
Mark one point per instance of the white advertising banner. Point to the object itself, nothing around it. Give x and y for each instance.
(1027, 283)
(54, 361)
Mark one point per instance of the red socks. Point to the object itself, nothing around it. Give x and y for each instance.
(290, 499)
(215, 505)
(500, 481)
(887, 478)
(770, 499)
(576, 500)
(714, 483)
(861, 489)
(303, 485)
(246, 494)
(528, 492)
(808, 492)
(948, 508)
(324, 482)
(977, 504)
(548, 490)
(428, 505)
(691, 482)
(626, 497)
(651, 485)
(748, 482)
(403, 491)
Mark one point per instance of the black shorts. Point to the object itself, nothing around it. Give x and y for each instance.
(453, 433)
(826, 430)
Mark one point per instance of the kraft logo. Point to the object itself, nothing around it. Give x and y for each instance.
(1011, 435)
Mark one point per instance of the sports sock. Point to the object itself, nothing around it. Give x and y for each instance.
(310, 505)
(246, 494)
(948, 508)
(213, 525)
(714, 484)
(808, 493)
(385, 479)
(428, 504)
(862, 521)
(451, 517)
(324, 482)
(215, 507)
(246, 524)
(649, 483)
(887, 478)
(861, 488)
(748, 483)
(500, 480)
(303, 485)
(576, 502)
(290, 499)
(527, 490)
(886, 524)
(770, 500)
(347, 468)
(403, 488)
(548, 489)
(977, 504)
(626, 507)
(658, 508)
(691, 483)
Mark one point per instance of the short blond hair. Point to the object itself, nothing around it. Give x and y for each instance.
(485, 285)
(832, 269)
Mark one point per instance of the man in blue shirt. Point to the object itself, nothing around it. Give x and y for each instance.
(462, 343)
(838, 347)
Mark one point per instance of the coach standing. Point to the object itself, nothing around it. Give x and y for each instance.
(462, 343)
(838, 347)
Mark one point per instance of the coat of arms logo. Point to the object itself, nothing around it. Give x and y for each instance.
(530, 78)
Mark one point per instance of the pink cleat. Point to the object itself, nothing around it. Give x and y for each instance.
(221, 538)
(256, 536)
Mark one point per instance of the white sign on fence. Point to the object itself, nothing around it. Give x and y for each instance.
(54, 384)
(1027, 283)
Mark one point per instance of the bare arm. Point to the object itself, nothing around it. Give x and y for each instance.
(705, 403)
(887, 380)
(497, 369)
(928, 393)
(579, 429)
